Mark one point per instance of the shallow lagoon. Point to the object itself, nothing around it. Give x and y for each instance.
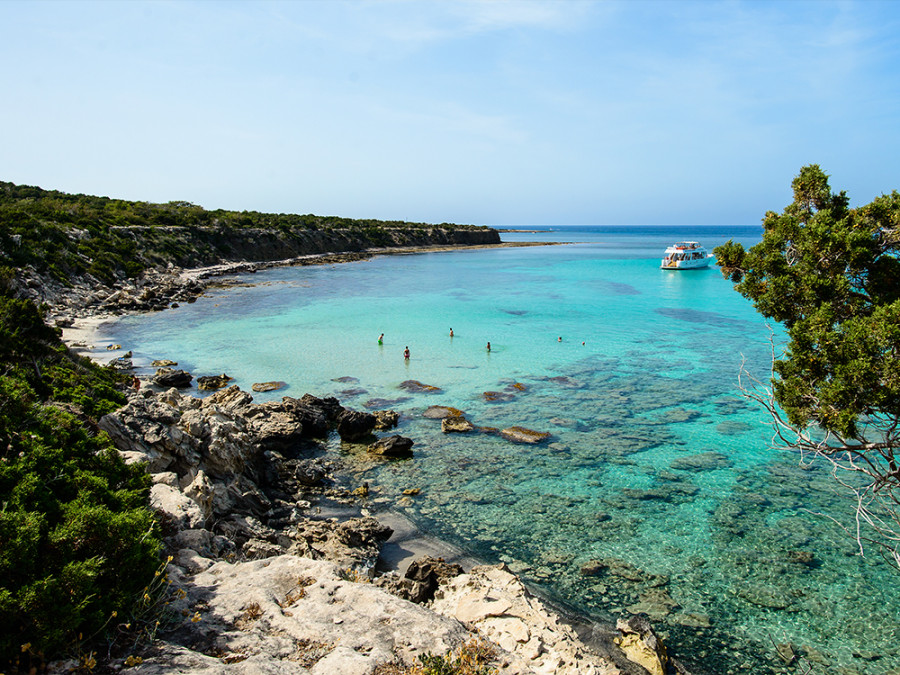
(657, 491)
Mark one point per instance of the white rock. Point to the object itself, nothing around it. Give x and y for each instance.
(184, 510)
(494, 601)
(346, 662)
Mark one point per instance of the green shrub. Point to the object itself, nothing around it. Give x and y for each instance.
(77, 541)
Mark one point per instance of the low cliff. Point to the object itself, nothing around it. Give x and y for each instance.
(57, 247)
(201, 246)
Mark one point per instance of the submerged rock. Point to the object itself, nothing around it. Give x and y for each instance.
(417, 387)
(268, 386)
(704, 461)
(439, 412)
(497, 396)
(522, 435)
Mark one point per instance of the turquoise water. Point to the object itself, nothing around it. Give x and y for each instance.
(658, 478)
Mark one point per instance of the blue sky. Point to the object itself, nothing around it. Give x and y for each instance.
(566, 112)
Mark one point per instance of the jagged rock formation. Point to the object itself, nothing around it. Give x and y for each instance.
(263, 585)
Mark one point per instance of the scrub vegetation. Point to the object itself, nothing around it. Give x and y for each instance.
(63, 236)
(77, 541)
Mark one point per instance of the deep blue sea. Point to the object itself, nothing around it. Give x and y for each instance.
(659, 478)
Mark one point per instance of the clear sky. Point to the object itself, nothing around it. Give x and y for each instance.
(495, 112)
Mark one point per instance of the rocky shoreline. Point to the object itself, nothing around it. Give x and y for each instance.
(275, 568)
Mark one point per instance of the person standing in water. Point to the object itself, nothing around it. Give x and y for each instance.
(381, 339)
(489, 346)
(451, 332)
(406, 353)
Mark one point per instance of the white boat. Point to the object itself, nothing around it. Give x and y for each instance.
(686, 255)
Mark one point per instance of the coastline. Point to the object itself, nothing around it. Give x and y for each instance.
(408, 542)
(81, 327)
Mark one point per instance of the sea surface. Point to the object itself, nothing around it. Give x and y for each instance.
(658, 490)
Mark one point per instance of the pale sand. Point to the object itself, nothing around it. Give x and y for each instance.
(81, 337)
(409, 542)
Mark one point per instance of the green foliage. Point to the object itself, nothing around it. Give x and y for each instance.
(73, 516)
(64, 236)
(831, 275)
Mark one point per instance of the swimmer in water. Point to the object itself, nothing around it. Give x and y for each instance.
(406, 353)
(489, 346)
(381, 339)
(451, 332)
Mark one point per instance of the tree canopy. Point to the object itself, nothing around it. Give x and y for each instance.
(830, 274)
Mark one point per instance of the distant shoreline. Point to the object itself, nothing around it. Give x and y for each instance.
(83, 328)
(525, 231)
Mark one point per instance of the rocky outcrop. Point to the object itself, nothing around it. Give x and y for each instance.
(456, 424)
(213, 382)
(492, 600)
(167, 377)
(293, 615)
(265, 585)
(239, 468)
(353, 425)
(641, 645)
(392, 446)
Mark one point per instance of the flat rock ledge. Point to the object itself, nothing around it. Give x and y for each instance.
(492, 600)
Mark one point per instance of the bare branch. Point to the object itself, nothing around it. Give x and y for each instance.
(866, 467)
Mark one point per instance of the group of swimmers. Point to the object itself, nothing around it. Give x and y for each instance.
(406, 350)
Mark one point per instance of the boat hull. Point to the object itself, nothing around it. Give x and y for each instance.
(698, 264)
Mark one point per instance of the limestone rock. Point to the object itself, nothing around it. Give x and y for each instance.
(353, 425)
(522, 435)
(277, 430)
(429, 572)
(268, 386)
(213, 382)
(450, 425)
(232, 398)
(386, 419)
(353, 544)
(167, 377)
(291, 615)
(392, 446)
(641, 645)
(492, 600)
(439, 412)
(175, 508)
